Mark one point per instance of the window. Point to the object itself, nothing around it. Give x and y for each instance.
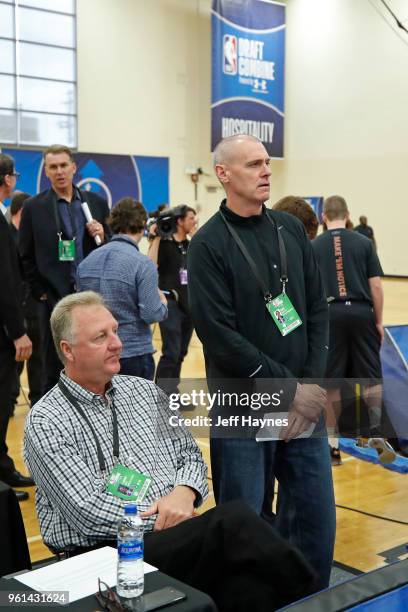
(38, 90)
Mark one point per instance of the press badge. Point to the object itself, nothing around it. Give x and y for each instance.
(183, 276)
(128, 484)
(284, 314)
(66, 250)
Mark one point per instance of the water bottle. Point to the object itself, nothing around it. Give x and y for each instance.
(130, 582)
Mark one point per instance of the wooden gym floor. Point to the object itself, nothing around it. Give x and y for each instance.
(359, 486)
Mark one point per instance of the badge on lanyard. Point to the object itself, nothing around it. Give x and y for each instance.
(284, 314)
(183, 276)
(66, 250)
(128, 484)
(280, 308)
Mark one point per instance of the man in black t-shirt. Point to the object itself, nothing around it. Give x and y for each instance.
(170, 256)
(365, 229)
(351, 273)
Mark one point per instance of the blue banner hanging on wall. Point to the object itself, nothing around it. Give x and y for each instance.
(316, 202)
(248, 66)
(145, 179)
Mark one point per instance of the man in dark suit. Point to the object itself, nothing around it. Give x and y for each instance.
(15, 345)
(31, 312)
(54, 238)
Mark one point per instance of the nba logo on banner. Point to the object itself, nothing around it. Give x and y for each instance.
(230, 54)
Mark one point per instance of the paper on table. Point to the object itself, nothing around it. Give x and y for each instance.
(78, 575)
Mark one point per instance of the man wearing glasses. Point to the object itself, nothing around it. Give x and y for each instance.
(6, 163)
(15, 345)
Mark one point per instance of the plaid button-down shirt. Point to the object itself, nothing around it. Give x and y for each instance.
(73, 506)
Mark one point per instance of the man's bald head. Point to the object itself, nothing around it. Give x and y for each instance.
(242, 165)
(226, 148)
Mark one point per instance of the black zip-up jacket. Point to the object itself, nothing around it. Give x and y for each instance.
(240, 338)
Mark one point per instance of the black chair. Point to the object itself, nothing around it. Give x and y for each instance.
(13, 541)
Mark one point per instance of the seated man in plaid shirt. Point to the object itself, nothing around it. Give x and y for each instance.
(94, 427)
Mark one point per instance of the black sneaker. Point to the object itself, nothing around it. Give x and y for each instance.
(21, 495)
(16, 479)
(335, 456)
(188, 408)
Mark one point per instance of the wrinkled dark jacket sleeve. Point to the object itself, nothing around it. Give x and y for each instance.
(11, 315)
(26, 245)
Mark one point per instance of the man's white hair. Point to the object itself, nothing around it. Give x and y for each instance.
(222, 152)
(61, 317)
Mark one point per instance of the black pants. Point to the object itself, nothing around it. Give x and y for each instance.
(176, 332)
(7, 369)
(52, 364)
(354, 342)
(35, 365)
(235, 557)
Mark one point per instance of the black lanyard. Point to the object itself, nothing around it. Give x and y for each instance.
(101, 460)
(282, 254)
(182, 251)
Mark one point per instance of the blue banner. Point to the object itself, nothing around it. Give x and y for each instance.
(145, 179)
(316, 202)
(248, 69)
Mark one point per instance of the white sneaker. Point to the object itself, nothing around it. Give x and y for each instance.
(386, 453)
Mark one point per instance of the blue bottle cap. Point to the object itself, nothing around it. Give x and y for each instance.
(130, 509)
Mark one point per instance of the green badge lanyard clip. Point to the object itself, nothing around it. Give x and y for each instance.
(268, 297)
(81, 196)
(101, 460)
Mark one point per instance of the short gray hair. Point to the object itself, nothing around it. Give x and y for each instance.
(61, 317)
(55, 149)
(222, 151)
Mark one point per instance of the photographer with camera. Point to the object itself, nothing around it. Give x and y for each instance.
(168, 250)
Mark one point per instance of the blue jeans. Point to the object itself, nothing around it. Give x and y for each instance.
(245, 469)
(140, 365)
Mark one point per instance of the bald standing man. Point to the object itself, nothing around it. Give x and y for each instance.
(237, 271)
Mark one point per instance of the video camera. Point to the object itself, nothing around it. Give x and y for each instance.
(167, 221)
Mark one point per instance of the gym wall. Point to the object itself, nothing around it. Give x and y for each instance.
(144, 88)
